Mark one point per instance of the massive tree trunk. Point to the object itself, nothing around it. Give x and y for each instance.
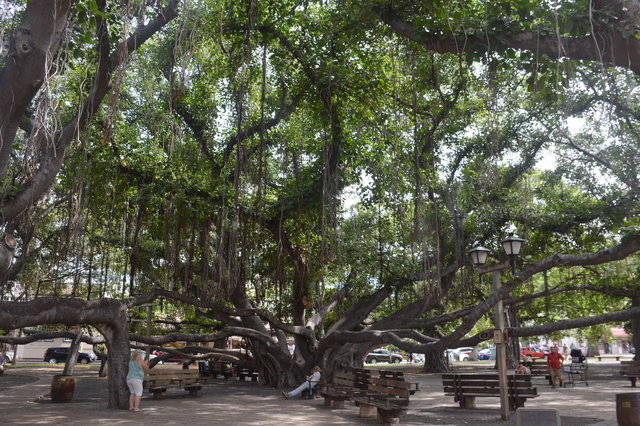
(117, 342)
(635, 329)
(436, 362)
(107, 315)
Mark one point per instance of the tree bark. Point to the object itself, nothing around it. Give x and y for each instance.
(608, 44)
(436, 362)
(33, 45)
(635, 329)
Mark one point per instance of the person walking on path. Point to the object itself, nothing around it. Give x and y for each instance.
(310, 382)
(554, 361)
(135, 376)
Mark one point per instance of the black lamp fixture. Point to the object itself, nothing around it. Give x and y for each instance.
(512, 245)
(479, 255)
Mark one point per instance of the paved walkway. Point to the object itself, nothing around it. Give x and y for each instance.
(23, 401)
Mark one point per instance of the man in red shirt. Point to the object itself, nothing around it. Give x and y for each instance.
(554, 361)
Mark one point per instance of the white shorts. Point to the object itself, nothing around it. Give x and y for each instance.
(135, 386)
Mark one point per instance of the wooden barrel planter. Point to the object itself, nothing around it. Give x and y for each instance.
(628, 409)
(62, 388)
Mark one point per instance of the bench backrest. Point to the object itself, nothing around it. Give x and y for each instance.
(631, 367)
(487, 384)
(395, 390)
(388, 374)
(343, 379)
(539, 368)
(219, 366)
(361, 378)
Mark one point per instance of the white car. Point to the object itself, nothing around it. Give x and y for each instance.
(463, 353)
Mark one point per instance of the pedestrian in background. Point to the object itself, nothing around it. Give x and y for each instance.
(554, 361)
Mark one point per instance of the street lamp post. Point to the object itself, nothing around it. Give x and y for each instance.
(479, 255)
(501, 348)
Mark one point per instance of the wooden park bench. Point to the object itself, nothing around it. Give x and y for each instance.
(540, 369)
(219, 368)
(245, 373)
(353, 382)
(215, 369)
(617, 357)
(630, 369)
(466, 387)
(389, 397)
(159, 380)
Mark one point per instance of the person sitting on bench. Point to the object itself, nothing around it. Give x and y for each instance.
(523, 369)
(309, 383)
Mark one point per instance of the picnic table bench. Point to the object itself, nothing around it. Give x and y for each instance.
(389, 397)
(466, 387)
(630, 369)
(159, 380)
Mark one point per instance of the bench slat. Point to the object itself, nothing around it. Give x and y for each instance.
(526, 377)
(486, 391)
(486, 383)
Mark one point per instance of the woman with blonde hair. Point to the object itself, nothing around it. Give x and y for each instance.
(309, 383)
(135, 376)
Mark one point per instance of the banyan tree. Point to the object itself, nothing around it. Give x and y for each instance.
(311, 175)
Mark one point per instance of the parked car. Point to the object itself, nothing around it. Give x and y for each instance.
(172, 358)
(463, 353)
(382, 355)
(8, 356)
(543, 348)
(56, 355)
(533, 352)
(485, 353)
(418, 358)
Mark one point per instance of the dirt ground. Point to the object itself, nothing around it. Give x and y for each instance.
(24, 400)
